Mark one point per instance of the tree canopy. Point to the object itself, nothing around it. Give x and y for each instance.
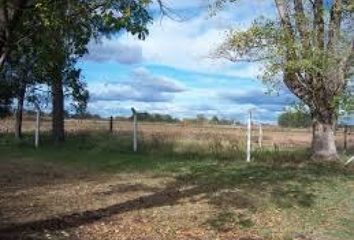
(309, 48)
(43, 39)
(295, 118)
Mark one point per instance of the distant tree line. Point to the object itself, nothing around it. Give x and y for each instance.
(202, 119)
(7, 111)
(223, 121)
(295, 119)
(85, 115)
(155, 117)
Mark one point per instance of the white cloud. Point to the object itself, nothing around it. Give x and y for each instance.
(108, 50)
(141, 87)
(143, 79)
(259, 98)
(188, 45)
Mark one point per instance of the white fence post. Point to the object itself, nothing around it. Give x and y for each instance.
(135, 130)
(260, 137)
(249, 132)
(37, 130)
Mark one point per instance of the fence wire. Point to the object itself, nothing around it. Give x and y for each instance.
(273, 136)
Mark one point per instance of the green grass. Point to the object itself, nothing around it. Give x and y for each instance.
(114, 152)
(102, 152)
(278, 190)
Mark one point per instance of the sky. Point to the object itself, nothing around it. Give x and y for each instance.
(172, 71)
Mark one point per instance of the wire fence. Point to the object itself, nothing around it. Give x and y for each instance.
(272, 136)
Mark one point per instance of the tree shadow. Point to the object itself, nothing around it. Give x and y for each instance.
(226, 220)
(165, 197)
(124, 188)
(288, 196)
(223, 185)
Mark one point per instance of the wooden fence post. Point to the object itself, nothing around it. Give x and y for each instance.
(345, 138)
(276, 147)
(111, 124)
(135, 130)
(249, 132)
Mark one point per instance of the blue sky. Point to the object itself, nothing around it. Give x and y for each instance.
(171, 72)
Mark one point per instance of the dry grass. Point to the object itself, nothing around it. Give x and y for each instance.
(273, 136)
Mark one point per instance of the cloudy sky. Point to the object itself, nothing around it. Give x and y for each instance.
(171, 72)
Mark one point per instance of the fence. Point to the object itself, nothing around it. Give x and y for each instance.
(272, 136)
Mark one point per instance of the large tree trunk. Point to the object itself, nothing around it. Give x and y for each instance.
(19, 111)
(324, 142)
(58, 110)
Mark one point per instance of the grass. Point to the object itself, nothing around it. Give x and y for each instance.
(278, 195)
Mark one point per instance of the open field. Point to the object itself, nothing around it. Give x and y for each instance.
(273, 136)
(94, 187)
(155, 120)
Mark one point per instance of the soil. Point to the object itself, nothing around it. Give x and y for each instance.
(48, 201)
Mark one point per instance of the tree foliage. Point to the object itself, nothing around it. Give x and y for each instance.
(308, 47)
(296, 50)
(155, 117)
(295, 119)
(41, 41)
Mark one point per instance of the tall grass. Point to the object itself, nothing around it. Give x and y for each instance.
(98, 146)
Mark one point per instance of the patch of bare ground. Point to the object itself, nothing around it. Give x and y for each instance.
(41, 200)
(52, 200)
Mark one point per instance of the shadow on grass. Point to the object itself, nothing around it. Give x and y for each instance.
(217, 184)
(124, 188)
(226, 220)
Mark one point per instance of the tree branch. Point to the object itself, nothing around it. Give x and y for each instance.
(301, 23)
(169, 12)
(297, 87)
(334, 25)
(312, 2)
(284, 16)
(319, 23)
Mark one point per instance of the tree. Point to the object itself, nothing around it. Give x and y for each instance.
(66, 29)
(214, 119)
(57, 33)
(295, 119)
(79, 94)
(309, 47)
(200, 118)
(155, 117)
(21, 67)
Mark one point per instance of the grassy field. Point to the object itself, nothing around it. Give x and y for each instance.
(94, 187)
(284, 138)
